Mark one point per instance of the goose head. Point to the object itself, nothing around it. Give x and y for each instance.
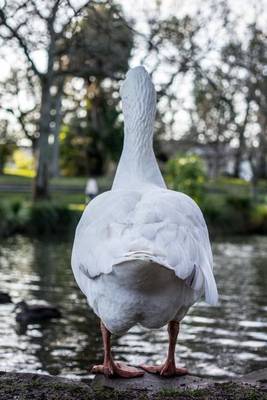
(138, 97)
(22, 305)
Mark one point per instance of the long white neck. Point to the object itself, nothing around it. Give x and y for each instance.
(138, 166)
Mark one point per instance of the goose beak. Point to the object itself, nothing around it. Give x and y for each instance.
(15, 308)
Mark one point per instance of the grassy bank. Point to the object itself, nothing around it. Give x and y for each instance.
(228, 215)
(235, 215)
(17, 178)
(228, 206)
(44, 218)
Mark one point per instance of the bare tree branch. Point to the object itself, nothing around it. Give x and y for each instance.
(36, 9)
(76, 13)
(14, 33)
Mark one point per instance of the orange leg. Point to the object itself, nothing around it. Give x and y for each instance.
(168, 368)
(110, 368)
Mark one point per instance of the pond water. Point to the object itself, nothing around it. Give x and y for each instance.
(224, 341)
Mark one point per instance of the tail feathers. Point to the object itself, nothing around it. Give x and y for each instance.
(211, 292)
(144, 255)
(195, 280)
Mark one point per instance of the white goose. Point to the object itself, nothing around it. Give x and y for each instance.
(141, 252)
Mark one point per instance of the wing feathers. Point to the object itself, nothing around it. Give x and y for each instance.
(164, 226)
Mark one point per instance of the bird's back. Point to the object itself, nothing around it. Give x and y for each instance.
(157, 225)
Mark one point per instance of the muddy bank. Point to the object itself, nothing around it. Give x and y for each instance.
(24, 386)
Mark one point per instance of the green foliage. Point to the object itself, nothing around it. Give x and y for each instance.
(227, 180)
(40, 218)
(7, 144)
(5, 152)
(224, 215)
(87, 146)
(10, 220)
(23, 160)
(99, 48)
(73, 144)
(49, 218)
(259, 218)
(239, 203)
(4, 228)
(231, 211)
(186, 173)
(102, 42)
(231, 215)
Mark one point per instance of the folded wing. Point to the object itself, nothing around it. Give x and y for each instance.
(160, 225)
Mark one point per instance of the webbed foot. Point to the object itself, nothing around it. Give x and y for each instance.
(168, 369)
(117, 369)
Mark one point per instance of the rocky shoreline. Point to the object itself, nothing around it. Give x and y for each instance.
(24, 386)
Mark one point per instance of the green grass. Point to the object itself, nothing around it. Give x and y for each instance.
(56, 197)
(19, 177)
(12, 196)
(234, 186)
(68, 198)
(230, 210)
(62, 197)
(219, 186)
(9, 179)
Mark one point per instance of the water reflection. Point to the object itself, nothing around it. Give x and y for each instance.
(227, 340)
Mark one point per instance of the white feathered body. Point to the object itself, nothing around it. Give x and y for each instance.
(141, 252)
(142, 257)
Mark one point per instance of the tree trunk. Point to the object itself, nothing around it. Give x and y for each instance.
(242, 143)
(54, 171)
(95, 151)
(1, 170)
(262, 161)
(4, 152)
(2, 161)
(254, 181)
(41, 187)
(239, 154)
(217, 159)
(262, 165)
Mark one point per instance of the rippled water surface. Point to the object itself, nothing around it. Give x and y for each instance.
(227, 340)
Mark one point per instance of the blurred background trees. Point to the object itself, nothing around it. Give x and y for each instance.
(65, 60)
(62, 63)
(93, 137)
(90, 42)
(7, 144)
(186, 173)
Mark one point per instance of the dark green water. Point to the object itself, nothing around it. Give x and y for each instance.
(224, 341)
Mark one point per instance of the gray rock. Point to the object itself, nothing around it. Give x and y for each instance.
(27, 386)
(257, 378)
(152, 383)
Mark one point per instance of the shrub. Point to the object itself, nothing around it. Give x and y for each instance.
(235, 215)
(239, 203)
(186, 173)
(9, 219)
(37, 219)
(46, 218)
(16, 206)
(259, 218)
(4, 228)
(42, 218)
(23, 160)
